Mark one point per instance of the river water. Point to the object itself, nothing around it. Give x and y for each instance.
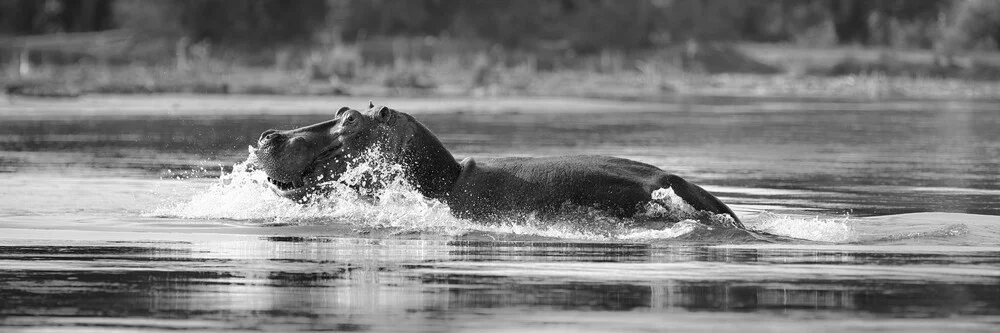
(122, 213)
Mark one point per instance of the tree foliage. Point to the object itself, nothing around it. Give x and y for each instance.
(580, 25)
(977, 21)
(245, 23)
(28, 17)
(584, 24)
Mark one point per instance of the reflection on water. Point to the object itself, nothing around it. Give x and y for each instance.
(295, 283)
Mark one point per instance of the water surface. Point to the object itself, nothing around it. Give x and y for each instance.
(126, 213)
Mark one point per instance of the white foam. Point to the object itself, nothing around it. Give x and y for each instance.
(667, 205)
(243, 195)
(673, 205)
(814, 228)
(678, 229)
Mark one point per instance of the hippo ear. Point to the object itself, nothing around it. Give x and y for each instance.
(341, 111)
(386, 115)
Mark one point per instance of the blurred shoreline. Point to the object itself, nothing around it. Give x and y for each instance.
(632, 50)
(695, 69)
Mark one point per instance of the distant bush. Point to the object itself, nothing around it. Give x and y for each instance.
(977, 22)
(408, 77)
(341, 63)
(248, 24)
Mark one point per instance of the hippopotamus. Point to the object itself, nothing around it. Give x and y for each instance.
(298, 161)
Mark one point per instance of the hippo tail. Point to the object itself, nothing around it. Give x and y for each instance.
(700, 199)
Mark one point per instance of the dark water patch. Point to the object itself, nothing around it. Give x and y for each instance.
(85, 250)
(99, 277)
(299, 239)
(495, 249)
(305, 279)
(826, 257)
(540, 294)
(90, 293)
(881, 298)
(304, 261)
(198, 321)
(911, 300)
(569, 245)
(205, 136)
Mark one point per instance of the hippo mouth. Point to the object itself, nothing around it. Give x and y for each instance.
(285, 186)
(296, 191)
(325, 166)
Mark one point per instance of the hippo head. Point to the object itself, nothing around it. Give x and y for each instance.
(297, 161)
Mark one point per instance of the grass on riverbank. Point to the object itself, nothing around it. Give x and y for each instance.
(758, 71)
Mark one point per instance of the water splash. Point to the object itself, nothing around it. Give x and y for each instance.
(835, 230)
(240, 195)
(667, 205)
(243, 195)
(676, 230)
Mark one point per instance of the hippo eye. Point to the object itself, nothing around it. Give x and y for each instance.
(350, 119)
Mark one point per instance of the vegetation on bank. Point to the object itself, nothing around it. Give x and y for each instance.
(724, 70)
(641, 49)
